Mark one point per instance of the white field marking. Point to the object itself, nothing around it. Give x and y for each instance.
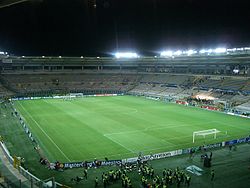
(145, 129)
(153, 149)
(45, 133)
(133, 111)
(153, 128)
(175, 145)
(166, 140)
(120, 144)
(147, 150)
(121, 154)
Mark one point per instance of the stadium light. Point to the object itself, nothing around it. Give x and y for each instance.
(209, 51)
(191, 52)
(1, 53)
(178, 52)
(219, 50)
(126, 55)
(202, 51)
(236, 71)
(239, 49)
(166, 53)
(247, 48)
(231, 50)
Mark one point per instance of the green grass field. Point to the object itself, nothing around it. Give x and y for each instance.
(120, 127)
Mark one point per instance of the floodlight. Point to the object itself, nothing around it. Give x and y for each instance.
(81, 56)
(178, 52)
(60, 56)
(239, 49)
(43, 56)
(202, 51)
(247, 48)
(236, 71)
(220, 50)
(167, 53)
(190, 52)
(1, 53)
(209, 51)
(231, 50)
(126, 55)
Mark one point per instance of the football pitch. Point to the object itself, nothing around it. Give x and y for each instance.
(121, 126)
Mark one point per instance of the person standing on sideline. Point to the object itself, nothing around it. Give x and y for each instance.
(85, 173)
(96, 182)
(212, 175)
(188, 178)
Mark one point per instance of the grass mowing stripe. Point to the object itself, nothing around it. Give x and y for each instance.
(44, 132)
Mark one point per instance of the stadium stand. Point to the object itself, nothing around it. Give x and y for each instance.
(210, 83)
(233, 84)
(245, 107)
(69, 82)
(246, 88)
(229, 89)
(4, 92)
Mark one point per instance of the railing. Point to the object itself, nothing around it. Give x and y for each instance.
(33, 179)
(6, 153)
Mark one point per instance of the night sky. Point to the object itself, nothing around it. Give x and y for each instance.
(78, 27)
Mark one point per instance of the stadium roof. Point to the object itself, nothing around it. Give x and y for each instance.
(7, 3)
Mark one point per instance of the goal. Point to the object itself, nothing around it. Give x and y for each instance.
(67, 97)
(205, 132)
(72, 96)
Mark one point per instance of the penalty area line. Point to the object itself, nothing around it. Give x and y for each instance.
(44, 132)
(119, 144)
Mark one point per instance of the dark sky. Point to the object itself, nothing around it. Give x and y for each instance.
(77, 27)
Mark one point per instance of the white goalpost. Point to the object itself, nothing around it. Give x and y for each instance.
(67, 98)
(205, 132)
(72, 96)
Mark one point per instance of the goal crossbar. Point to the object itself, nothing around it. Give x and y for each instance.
(205, 132)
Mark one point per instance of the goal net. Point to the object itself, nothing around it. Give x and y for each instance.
(205, 132)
